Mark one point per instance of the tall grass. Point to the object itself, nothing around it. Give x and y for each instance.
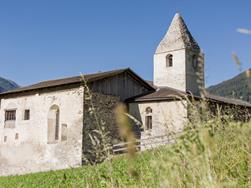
(201, 157)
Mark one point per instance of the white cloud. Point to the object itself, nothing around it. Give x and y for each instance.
(244, 31)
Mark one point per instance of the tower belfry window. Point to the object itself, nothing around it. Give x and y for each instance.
(169, 60)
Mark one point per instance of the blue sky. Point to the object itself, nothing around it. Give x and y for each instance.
(48, 39)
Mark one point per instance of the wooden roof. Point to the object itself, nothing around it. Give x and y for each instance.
(78, 80)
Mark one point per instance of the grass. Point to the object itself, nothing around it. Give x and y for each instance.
(212, 156)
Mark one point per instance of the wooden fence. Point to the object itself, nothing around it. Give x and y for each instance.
(146, 143)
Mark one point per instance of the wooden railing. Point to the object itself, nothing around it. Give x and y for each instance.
(146, 143)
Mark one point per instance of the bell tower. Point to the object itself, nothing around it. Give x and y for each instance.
(178, 60)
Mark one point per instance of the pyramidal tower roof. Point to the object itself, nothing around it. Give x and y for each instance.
(177, 37)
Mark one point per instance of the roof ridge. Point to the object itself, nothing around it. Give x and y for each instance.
(77, 79)
(69, 77)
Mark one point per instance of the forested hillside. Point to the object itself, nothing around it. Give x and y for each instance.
(238, 87)
(6, 85)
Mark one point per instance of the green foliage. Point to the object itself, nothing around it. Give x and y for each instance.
(238, 87)
(96, 137)
(208, 156)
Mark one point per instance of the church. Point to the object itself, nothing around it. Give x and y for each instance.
(44, 126)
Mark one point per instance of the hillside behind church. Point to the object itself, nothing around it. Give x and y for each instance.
(6, 85)
(238, 87)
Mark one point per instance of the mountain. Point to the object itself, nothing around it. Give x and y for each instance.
(6, 85)
(238, 87)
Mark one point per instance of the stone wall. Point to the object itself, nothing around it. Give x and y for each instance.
(194, 72)
(99, 116)
(175, 76)
(167, 116)
(184, 75)
(25, 148)
(237, 113)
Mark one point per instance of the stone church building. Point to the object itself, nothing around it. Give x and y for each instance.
(42, 125)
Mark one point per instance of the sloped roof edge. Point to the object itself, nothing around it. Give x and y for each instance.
(78, 80)
(167, 93)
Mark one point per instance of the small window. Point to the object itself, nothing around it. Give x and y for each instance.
(148, 122)
(10, 115)
(64, 132)
(26, 114)
(149, 110)
(5, 138)
(16, 136)
(53, 124)
(57, 126)
(169, 60)
(194, 62)
(148, 118)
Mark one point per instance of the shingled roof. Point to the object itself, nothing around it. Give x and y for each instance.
(167, 93)
(78, 80)
(177, 37)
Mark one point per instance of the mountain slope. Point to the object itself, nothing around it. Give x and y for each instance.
(238, 87)
(6, 85)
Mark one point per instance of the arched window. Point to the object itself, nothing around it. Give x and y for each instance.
(169, 60)
(194, 62)
(53, 124)
(148, 118)
(149, 110)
